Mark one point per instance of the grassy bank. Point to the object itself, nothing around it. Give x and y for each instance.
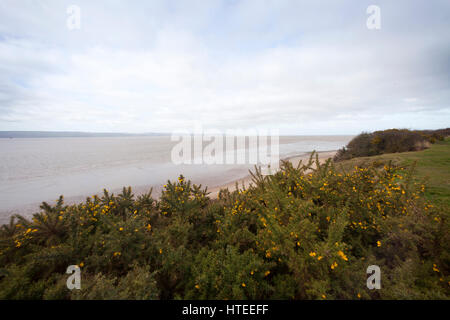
(432, 166)
(307, 232)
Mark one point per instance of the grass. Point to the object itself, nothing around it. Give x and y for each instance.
(432, 167)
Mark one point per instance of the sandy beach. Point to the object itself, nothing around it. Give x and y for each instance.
(246, 181)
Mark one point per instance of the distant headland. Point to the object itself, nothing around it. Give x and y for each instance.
(71, 134)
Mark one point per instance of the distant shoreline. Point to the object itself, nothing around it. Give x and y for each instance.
(72, 134)
(82, 134)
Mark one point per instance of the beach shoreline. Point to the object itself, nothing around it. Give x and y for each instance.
(27, 210)
(245, 182)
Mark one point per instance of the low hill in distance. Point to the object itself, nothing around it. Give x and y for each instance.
(70, 134)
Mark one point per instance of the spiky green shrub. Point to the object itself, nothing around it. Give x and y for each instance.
(389, 141)
(308, 232)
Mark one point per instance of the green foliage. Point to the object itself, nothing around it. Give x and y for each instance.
(389, 141)
(307, 232)
(138, 284)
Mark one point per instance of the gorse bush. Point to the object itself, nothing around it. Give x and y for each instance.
(308, 232)
(389, 141)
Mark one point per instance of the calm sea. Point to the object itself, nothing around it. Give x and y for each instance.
(33, 170)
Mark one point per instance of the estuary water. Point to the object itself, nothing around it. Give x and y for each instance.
(33, 170)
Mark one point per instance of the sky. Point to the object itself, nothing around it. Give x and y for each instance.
(300, 67)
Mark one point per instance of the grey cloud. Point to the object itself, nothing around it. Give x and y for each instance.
(161, 65)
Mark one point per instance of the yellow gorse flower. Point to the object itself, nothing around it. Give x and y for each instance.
(342, 255)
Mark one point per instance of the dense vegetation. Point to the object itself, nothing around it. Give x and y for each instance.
(390, 141)
(304, 233)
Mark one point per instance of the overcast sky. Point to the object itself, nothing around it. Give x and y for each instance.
(304, 67)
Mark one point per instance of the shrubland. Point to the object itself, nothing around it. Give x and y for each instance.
(390, 141)
(306, 232)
